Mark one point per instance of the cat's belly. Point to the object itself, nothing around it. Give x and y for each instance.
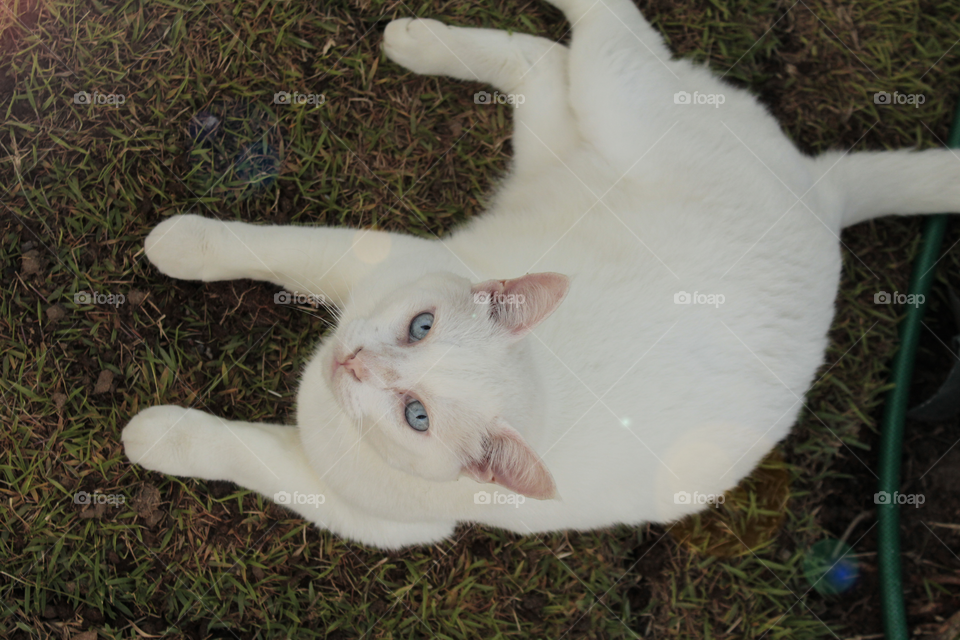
(684, 349)
(688, 385)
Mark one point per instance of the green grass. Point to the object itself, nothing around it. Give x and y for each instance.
(81, 185)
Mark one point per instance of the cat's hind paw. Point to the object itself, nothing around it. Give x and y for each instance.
(420, 46)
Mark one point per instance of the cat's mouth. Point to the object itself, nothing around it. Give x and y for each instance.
(339, 380)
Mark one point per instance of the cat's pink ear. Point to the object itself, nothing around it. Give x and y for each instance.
(511, 463)
(522, 303)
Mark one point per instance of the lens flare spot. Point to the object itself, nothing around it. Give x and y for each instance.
(371, 247)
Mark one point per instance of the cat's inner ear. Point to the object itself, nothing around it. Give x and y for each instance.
(507, 460)
(521, 304)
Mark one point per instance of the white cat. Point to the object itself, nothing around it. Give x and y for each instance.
(682, 260)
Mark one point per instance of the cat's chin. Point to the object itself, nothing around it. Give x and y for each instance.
(332, 367)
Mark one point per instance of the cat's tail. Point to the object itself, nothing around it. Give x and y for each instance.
(871, 184)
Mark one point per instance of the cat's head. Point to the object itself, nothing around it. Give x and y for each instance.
(433, 373)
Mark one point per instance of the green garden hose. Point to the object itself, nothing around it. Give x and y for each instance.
(891, 437)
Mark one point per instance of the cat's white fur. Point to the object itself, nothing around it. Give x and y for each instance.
(598, 398)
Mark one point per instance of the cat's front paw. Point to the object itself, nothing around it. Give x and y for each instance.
(186, 247)
(418, 45)
(168, 439)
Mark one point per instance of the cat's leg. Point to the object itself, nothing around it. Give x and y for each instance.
(529, 73)
(868, 184)
(320, 261)
(637, 34)
(622, 78)
(268, 459)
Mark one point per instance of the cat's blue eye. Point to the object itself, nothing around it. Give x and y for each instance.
(416, 415)
(420, 327)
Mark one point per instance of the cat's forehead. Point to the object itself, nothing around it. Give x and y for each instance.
(388, 297)
(447, 296)
(433, 287)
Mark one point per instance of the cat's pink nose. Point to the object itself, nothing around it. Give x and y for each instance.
(355, 365)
